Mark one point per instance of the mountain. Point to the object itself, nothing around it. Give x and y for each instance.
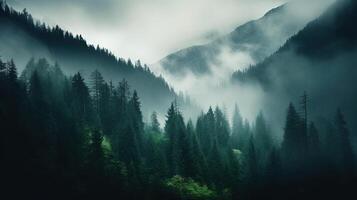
(321, 59)
(258, 39)
(21, 38)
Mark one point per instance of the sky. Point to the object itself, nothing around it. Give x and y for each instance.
(146, 29)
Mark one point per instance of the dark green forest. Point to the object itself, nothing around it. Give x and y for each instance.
(65, 137)
(73, 123)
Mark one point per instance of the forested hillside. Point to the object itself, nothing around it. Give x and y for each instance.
(61, 138)
(320, 59)
(22, 38)
(73, 122)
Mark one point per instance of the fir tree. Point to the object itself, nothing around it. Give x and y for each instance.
(237, 128)
(344, 144)
(155, 125)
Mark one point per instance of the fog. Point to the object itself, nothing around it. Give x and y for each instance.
(146, 29)
(215, 88)
(149, 30)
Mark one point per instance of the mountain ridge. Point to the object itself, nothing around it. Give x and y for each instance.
(23, 38)
(251, 38)
(319, 59)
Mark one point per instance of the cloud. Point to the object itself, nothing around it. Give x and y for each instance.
(147, 29)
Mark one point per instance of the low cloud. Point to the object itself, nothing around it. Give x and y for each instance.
(147, 29)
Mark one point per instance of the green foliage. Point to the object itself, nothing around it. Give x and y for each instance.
(188, 189)
(65, 142)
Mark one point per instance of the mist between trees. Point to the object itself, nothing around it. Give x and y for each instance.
(63, 138)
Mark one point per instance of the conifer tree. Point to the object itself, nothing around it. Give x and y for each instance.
(81, 99)
(263, 138)
(2, 70)
(252, 161)
(216, 166)
(314, 142)
(136, 117)
(207, 131)
(344, 144)
(155, 125)
(237, 128)
(96, 156)
(273, 167)
(294, 146)
(97, 82)
(222, 128)
(12, 72)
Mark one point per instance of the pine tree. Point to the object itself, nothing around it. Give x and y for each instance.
(2, 72)
(216, 166)
(81, 99)
(175, 130)
(244, 137)
(207, 135)
(136, 117)
(252, 161)
(237, 128)
(36, 94)
(97, 82)
(294, 147)
(344, 144)
(262, 137)
(171, 134)
(222, 128)
(96, 164)
(314, 141)
(96, 157)
(194, 161)
(12, 72)
(273, 167)
(155, 125)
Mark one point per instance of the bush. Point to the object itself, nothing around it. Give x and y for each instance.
(186, 188)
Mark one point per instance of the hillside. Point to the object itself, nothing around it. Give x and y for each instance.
(320, 59)
(21, 38)
(258, 39)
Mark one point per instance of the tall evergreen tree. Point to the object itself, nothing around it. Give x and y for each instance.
(222, 128)
(263, 138)
(273, 167)
(237, 128)
(216, 166)
(12, 72)
(348, 159)
(314, 141)
(294, 146)
(155, 125)
(252, 161)
(136, 117)
(81, 101)
(97, 82)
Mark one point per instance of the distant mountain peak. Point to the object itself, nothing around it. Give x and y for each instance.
(257, 39)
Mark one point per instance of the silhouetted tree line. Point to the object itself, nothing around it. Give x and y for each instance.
(63, 137)
(75, 54)
(57, 37)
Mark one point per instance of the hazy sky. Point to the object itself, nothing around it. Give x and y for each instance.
(146, 29)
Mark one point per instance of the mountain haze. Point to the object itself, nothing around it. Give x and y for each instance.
(256, 39)
(22, 38)
(321, 59)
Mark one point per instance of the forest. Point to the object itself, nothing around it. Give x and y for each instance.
(66, 137)
(79, 122)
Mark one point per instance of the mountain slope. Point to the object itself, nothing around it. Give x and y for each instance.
(259, 39)
(21, 38)
(320, 59)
